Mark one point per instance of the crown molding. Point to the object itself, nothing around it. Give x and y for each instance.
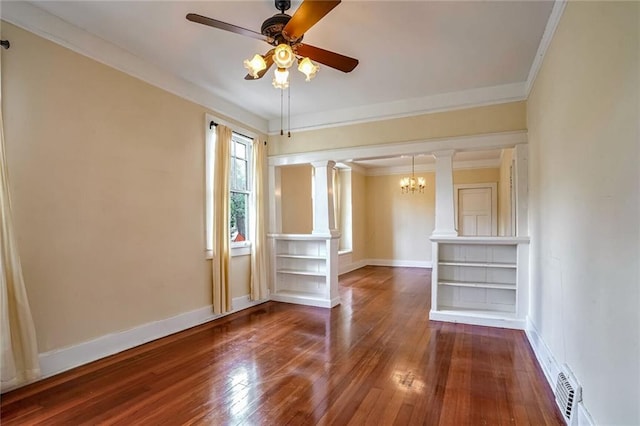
(430, 168)
(545, 42)
(405, 108)
(54, 29)
(460, 143)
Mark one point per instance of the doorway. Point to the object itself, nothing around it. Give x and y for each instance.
(476, 209)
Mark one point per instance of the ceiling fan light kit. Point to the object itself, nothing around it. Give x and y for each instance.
(308, 68)
(255, 65)
(281, 78)
(286, 32)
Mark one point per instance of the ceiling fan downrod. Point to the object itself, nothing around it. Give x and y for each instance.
(283, 5)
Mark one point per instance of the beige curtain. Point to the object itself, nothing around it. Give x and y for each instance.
(19, 349)
(221, 232)
(259, 263)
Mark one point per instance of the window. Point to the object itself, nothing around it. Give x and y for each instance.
(240, 185)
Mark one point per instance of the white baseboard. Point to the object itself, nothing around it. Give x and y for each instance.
(400, 263)
(551, 368)
(475, 319)
(59, 360)
(343, 269)
(584, 418)
(548, 363)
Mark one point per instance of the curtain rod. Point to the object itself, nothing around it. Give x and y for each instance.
(213, 124)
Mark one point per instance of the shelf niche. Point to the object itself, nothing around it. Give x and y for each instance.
(305, 269)
(480, 280)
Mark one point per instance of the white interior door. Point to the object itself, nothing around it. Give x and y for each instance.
(475, 211)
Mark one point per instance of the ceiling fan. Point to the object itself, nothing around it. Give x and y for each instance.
(285, 33)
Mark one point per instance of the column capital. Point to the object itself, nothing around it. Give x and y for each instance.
(443, 153)
(323, 163)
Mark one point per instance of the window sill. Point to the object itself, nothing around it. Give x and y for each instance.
(239, 250)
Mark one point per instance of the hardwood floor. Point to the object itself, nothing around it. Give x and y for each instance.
(375, 359)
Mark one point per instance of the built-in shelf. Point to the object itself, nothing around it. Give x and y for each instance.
(304, 269)
(477, 264)
(478, 284)
(478, 312)
(480, 280)
(300, 256)
(309, 273)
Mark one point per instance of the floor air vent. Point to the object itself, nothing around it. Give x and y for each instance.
(568, 394)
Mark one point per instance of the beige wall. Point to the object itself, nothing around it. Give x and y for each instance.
(399, 225)
(297, 202)
(107, 180)
(585, 207)
(504, 193)
(345, 220)
(463, 176)
(465, 122)
(359, 215)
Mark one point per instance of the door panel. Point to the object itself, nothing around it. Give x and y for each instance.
(474, 212)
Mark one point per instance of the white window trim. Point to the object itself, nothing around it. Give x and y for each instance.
(242, 248)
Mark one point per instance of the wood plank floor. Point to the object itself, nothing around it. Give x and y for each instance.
(375, 359)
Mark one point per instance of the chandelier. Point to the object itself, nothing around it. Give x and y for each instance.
(284, 57)
(410, 184)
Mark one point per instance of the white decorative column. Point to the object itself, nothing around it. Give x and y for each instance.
(445, 225)
(522, 190)
(275, 201)
(324, 221)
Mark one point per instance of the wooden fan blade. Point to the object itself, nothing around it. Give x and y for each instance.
(309, 12)
(330, 59)
(268, 58)
(193, 17)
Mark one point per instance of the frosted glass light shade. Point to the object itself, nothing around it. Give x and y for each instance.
(281, 78)
(255, 65)
(308, 68)
(283, 56)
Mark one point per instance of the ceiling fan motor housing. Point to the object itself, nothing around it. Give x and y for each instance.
(272, 28)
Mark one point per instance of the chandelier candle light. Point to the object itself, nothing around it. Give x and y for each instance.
(411, 184)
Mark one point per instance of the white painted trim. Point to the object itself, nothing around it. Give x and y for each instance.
(545, 42)
(300, 299)
(431, 168)
(584, 417)
(59, 360)
(494, 203)
(551, 368)
(42, 23)
(405, 108)
(461, 143)
(475, 319)
(400, 263)
(348, 267)
(548, 363)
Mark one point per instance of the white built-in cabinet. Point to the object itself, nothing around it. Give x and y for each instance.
(305, 269)
(480, 280)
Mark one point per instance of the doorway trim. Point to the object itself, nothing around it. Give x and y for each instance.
(494, 202)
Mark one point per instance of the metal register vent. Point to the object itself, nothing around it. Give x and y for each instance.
(568, 394)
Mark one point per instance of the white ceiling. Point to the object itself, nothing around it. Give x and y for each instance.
(409, 51)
